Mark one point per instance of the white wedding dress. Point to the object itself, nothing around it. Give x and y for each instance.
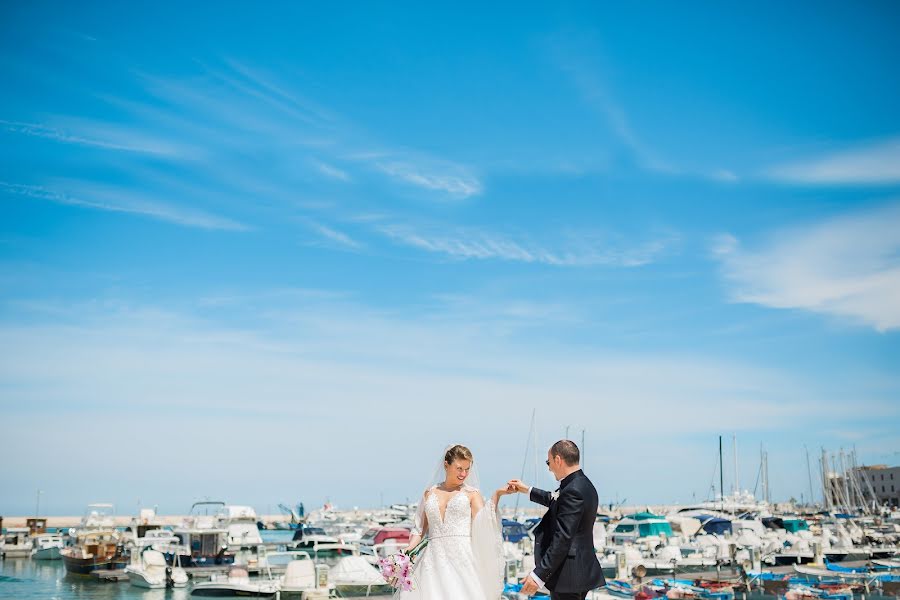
(463, 558)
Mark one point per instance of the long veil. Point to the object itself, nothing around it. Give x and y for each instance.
(487, 541)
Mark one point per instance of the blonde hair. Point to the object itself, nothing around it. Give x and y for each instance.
(457, 452)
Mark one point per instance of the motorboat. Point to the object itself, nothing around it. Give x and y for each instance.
(46, 546)
(204, 540)
(242, 535)
(640, 525)
(354, 576)
(16, 543)
(97, 516)
(236, 584)
(148, 569)
(303, 579)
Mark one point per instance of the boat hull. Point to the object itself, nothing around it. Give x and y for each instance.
(86, 566)
(231, 590)
(47, 554)
(357, 589)
(139, 580)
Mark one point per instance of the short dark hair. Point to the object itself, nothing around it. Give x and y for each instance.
(566, 450)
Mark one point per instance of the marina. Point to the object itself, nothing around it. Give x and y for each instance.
(731, 546)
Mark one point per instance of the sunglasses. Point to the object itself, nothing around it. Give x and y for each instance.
(548, 462)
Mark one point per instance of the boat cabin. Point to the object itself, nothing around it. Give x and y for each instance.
(380, 535)
(36, 525)
(640, 525)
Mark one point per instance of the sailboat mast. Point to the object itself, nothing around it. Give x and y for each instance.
(721, 475)
(528, 443)
(809, 475)
(582, 449)
(737, 484)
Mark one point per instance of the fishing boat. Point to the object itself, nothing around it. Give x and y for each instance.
(93, 550)
(47, 546)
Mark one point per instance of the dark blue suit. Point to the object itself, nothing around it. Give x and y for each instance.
(564, 554)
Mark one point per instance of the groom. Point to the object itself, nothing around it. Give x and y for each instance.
(565, 558)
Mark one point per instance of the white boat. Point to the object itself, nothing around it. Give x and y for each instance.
(203, 536)
(303, 579)
(148, 570)
(242, 535)
(236, 584)
(354, 576)
(16, 543)
(637, 526)
(46, 546)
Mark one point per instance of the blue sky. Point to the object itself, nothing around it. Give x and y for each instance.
(288, 253)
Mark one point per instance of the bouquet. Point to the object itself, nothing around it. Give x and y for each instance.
(397, 569)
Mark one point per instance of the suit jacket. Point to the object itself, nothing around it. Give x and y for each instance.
(565, 558)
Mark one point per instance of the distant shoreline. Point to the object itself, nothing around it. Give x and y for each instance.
(120, 521)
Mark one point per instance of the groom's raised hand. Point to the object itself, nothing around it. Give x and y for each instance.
(515, 485)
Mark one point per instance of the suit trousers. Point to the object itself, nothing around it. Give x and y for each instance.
(568, 596)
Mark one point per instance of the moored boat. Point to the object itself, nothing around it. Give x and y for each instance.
(237, 584)
(93, 550)
(16, 543)
(47, 546)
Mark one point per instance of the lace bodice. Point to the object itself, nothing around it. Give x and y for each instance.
(457, 520)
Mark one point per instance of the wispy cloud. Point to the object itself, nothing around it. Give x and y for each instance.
(331, 171)
(574, 250)
(582, 60)
(848, 266)
(597, 95)
(97, 135)
(124, 201)
(333, 236)
(452, 179)
(877, 163)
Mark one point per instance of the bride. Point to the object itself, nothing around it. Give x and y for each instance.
(464, 555)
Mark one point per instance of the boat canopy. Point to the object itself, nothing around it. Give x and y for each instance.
(643, 516)
(646, 524)
(714, 525)
(795, 525)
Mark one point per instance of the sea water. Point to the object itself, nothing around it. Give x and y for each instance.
(24, 578)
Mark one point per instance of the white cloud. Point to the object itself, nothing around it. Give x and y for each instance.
(304, 371)
(125, 201)
(574, 250)
(333, 235)
(848, 266)
(451, 179)
(99, 135)
(331, 171)
(877, 163)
